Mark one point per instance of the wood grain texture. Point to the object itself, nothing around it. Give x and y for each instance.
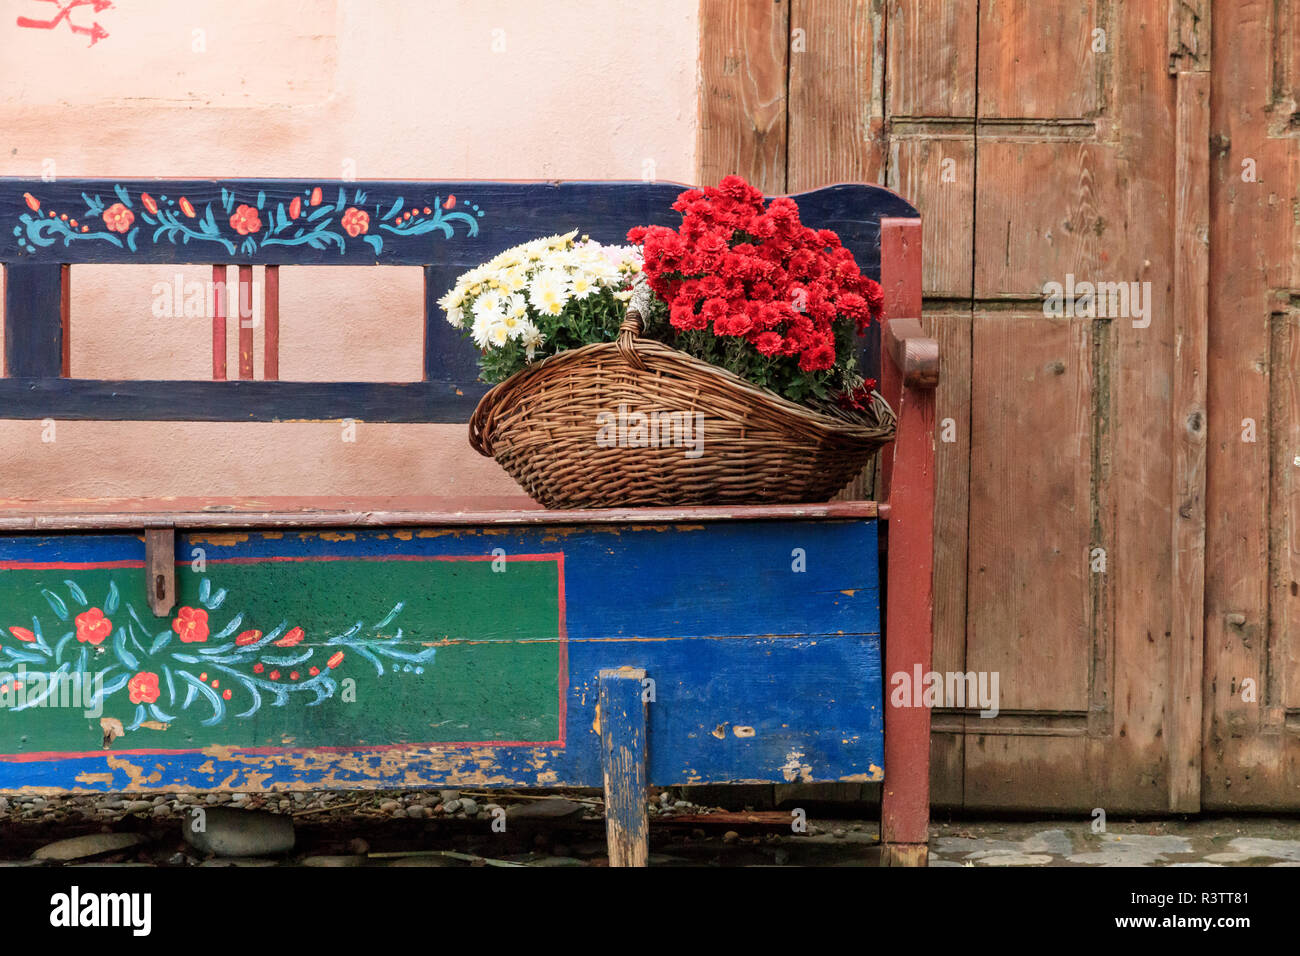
(909, 480)
(271, 317)
(936, 169)
(952, 330)
(1036, 59)
(1249, 758)
(931, 57)
(744, 61)
(623, 763)
(243, 304)
(1191, 320)
(220, 298)
(160, 569)
(1031, 405)
(836, 94)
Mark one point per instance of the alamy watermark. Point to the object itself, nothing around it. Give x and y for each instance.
(26, 689)
(1098, 300)
(951, 689)
(653, 430)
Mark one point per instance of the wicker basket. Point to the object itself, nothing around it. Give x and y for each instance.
(566, 430)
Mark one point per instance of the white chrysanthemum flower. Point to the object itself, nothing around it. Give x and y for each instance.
(583, 284)
(456, 317)
(498, 334)
(532, 339)
(549, 292)
(481, 330)
(488, 304)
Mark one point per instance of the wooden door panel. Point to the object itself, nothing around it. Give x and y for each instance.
(1029, 585)
(1037, 58)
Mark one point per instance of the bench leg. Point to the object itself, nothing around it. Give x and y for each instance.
(623, 760)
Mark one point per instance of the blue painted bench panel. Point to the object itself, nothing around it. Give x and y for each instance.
(760, 672)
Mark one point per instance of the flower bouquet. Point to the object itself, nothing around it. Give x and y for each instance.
(710, 364)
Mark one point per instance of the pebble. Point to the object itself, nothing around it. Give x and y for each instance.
(93, 844)
(399, 814)
(241, 833)
(388, 806)
(159, 801)
(731, 836)
(417, 812)
(359, 846)
(139, 806)
(239, 798)
(468, 806)
(334, 861)
(552, 808)
(448, 795)
(450, 806)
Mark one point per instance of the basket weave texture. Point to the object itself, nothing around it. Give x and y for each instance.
(565, 429)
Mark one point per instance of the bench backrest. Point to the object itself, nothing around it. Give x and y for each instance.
(440, 226)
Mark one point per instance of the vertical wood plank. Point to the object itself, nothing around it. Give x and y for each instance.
(271, 317)
(33, 320)
(160, 569)
(447, 356)
(219, 300)
(905, 796)
(65, 320)
(900, 280)
(744, 56)
(623, 761)
(245, 321)
(1191, 321)
(836, 97)
(931, 70)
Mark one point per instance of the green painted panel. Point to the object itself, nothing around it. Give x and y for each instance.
(352, 652)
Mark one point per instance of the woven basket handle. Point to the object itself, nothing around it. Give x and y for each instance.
(627, 336)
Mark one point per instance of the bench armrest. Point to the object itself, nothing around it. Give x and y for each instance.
(914, 355)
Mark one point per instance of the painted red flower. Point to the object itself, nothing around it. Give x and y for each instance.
(22, 633)
(149, 203)
(355, 221)
(118, 218)
(316, 196)
(248, 637)
(93, 627)
(295, 207)
(143, 688)
(187, 207)
(245, 220)
(335, 660)
(191, 625)
(294, 637)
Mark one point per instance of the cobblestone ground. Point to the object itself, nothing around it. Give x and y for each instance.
(473, 828)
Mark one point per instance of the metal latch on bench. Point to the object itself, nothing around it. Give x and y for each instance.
(160, 568)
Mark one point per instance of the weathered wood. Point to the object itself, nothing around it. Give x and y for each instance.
(332, 512)
(836, 93)
(160, 569)
(65, 321)
(931, 57)
(34, 320)
(914, 354)
(744, 62)
(905, 797)
(220, 298)
(1037, 59)
(622, 720)
(508, 688)
(1191, 320)
(244, 302)
(1251, 752)
(900, 281)
(952, 330)
(271, 319)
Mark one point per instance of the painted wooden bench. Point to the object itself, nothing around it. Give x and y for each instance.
(370, 643)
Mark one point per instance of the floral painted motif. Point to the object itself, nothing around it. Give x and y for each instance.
(93, 627)
(163, 677)
(309, 219)
(355, 222)
(245, 221)
(118, 218)
(143, 688)
(191, 625)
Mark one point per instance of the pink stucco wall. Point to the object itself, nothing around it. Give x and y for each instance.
(316, 88)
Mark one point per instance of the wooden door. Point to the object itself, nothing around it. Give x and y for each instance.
(1061, 142)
